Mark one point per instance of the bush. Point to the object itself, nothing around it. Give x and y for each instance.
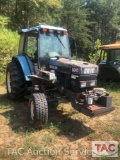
(8, 47)
(94, 57)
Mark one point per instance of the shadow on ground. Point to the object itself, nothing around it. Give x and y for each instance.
(18, 115)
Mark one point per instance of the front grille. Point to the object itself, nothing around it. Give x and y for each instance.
(88, 77)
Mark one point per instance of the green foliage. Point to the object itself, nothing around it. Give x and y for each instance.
(94, 57)
(105, 15)
(74, 18)
(34, 12)
(77, 58)
(3, 21)
(8, 44)
(2, 78)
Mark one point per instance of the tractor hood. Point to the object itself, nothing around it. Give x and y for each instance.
(69, 66)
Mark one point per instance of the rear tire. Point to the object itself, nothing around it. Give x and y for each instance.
(38, 110)
(15, 81)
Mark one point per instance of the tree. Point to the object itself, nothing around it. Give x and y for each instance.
(104, 14)
(33, 12)
(86, 20)
(74, 18)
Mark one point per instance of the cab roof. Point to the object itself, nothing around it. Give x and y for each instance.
(111, 46)
(38, 28)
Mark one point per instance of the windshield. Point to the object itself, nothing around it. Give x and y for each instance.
(52, 45)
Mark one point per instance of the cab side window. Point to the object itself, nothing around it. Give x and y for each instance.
(31, 46)
(103, 57)
(115, 54)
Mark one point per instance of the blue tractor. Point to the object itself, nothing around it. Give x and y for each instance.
(44, 69)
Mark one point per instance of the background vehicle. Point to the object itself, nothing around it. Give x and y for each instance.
(109, 62)
(44, 66)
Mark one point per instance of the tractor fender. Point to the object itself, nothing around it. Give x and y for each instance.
(24, 65)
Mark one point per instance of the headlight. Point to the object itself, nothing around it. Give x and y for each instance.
(89, 70)
(83, 84)
(52, 76)
(92, 83)
(88, 83)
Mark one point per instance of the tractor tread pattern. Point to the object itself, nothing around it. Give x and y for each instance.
(18, 82)
(41, 109)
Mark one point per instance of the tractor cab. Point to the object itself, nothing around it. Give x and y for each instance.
(109, 62)
(41, 43)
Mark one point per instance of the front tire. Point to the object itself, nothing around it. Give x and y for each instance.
(15, 81)
(38, 110)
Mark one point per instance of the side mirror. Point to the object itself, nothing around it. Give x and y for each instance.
(72, 45)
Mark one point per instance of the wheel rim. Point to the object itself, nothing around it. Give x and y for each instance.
(32, 110)
(8, 82)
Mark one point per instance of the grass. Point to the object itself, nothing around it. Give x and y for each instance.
(68, 134)
(2, 78)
